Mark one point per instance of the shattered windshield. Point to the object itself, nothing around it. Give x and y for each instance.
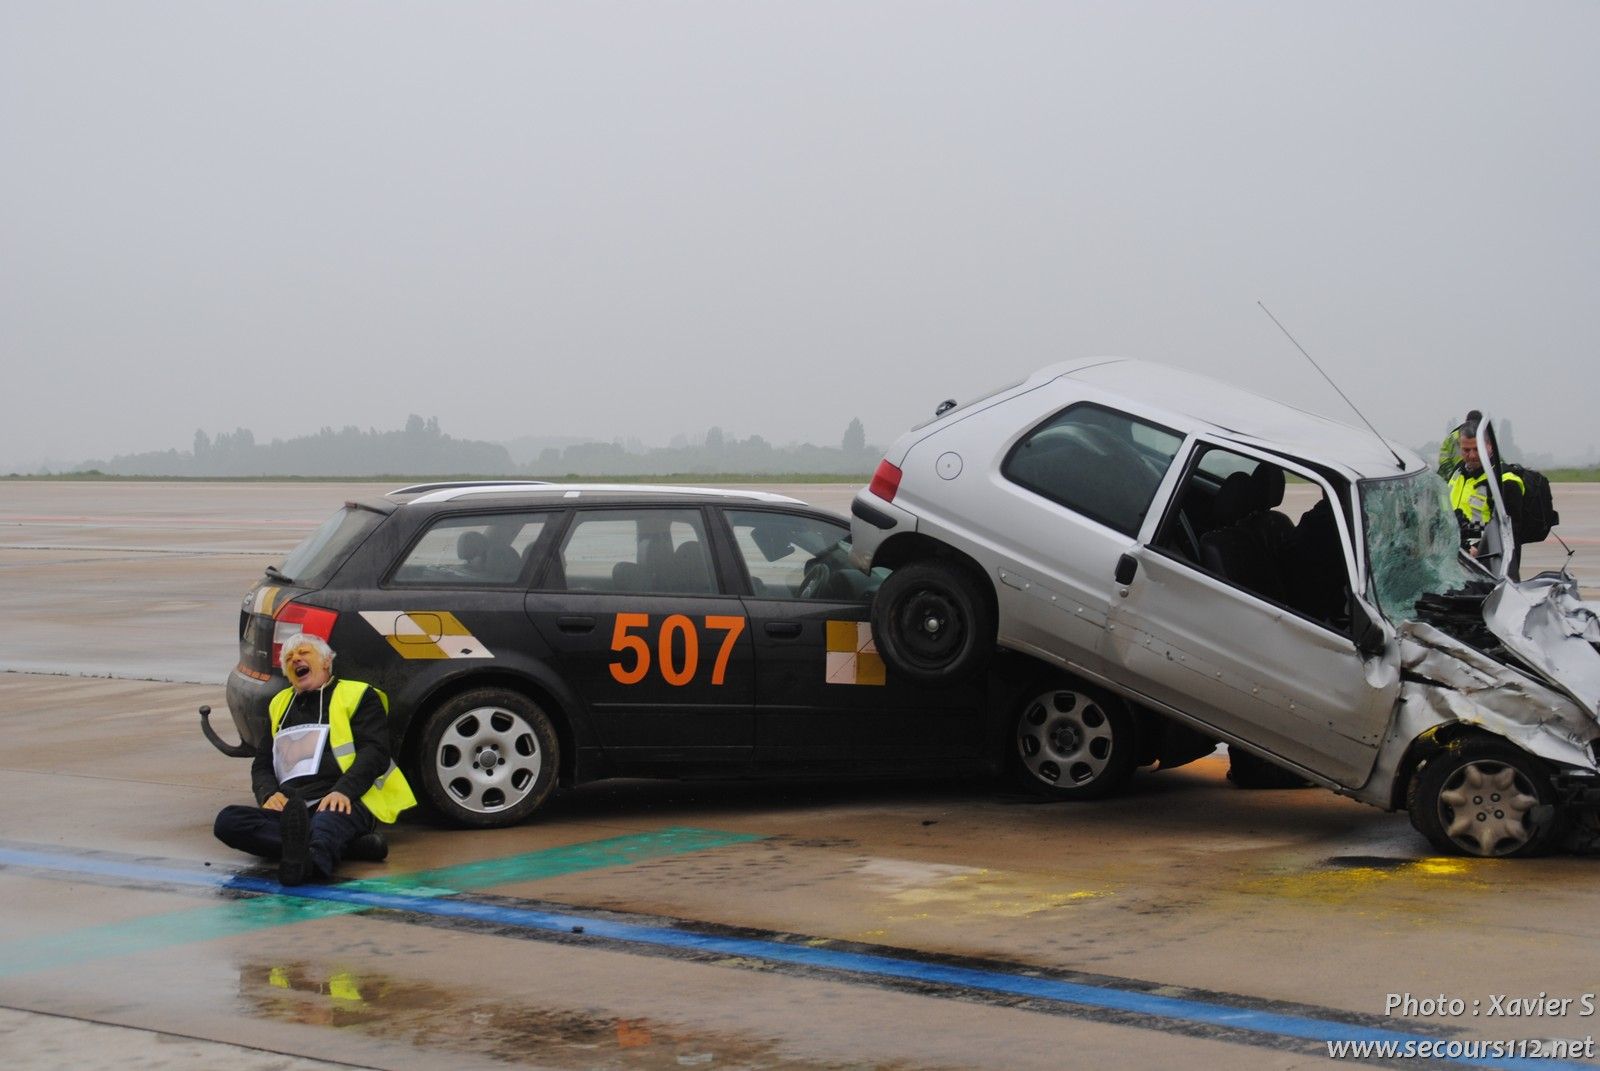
(1413, 542)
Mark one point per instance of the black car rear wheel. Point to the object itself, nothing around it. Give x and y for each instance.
(931, 621)
(1071, 741)
(489, 757)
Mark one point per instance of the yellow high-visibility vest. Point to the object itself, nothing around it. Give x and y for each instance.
(1469, 495)
(390, 792)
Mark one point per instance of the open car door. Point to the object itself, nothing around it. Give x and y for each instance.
(1498, 542)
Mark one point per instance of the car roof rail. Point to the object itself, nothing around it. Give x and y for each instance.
(424, 488)
(451, 492)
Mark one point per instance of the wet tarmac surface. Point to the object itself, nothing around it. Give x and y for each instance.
(942, 924)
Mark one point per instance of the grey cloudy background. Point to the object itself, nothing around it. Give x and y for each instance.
(644, 219)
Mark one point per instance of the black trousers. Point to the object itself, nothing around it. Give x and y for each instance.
(258, 831)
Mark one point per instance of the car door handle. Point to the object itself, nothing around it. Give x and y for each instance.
(783, 628)
(577, 626)
(1127, 567)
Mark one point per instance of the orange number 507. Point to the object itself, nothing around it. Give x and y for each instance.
(674, 670)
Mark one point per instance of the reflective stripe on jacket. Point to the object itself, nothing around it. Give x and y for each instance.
(390, 792)
(1469, 495)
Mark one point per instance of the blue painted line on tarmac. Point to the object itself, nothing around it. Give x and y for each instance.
(427, 902)
(112, 868)
(231, 918)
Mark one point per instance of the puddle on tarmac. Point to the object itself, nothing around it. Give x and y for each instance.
(1409, 884)
(432, 1017)
(1374, 862)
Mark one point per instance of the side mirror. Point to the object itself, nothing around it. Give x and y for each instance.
(1367, 633)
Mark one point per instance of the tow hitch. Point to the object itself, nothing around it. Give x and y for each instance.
(233, 751)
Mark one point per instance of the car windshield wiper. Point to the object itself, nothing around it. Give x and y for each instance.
(277, 574)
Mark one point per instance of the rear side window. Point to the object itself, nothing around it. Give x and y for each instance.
(321, 553)
(646, 551)
(479, 550)
(1095, 461)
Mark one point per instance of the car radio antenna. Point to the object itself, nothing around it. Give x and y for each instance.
(1398, 459)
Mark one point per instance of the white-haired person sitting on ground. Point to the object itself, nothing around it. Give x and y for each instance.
(327, 782)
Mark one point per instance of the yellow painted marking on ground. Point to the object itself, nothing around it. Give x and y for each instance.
(941, 890)
(1412, 886)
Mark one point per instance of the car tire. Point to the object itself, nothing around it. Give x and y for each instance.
(488, 757)
(1477, 798)
(1071, 741)
(932, 622)
(1246, 770)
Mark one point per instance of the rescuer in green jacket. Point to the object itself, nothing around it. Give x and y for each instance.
(327, 782)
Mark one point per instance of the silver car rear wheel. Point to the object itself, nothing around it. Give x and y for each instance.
(932, 622)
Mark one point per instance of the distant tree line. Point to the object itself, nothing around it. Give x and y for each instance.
(717, 452)
(422, 449)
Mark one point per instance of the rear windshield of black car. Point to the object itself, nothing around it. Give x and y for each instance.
(321, 553)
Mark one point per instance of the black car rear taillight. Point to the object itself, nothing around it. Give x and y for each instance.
(886, 481)
(293, 618)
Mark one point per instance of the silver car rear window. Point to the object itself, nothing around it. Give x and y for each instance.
(1095, 461)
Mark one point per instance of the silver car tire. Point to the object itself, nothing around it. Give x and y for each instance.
(489, 757)
(1071, 741)
(1478, 798)
(932, 622)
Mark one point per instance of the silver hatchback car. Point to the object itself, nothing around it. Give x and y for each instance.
(1292, 586)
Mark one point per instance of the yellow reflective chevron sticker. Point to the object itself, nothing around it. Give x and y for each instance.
(852, 657)
(426, 633)
(266, 598)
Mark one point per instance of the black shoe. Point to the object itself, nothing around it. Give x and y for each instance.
(295, 826)
(368, 848)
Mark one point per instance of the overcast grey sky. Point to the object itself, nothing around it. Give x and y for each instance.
(640, 219)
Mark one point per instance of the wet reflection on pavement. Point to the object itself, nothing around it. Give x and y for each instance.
(437, 1018)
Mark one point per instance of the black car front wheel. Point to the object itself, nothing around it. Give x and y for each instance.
(931, 621)
(489, 757)
(1071, 741)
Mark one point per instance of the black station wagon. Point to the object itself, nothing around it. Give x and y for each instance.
(528, 635)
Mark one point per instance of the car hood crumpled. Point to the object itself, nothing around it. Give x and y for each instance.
(1546, 625)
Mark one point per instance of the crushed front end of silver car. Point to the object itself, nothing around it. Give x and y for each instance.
(1483, 659)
